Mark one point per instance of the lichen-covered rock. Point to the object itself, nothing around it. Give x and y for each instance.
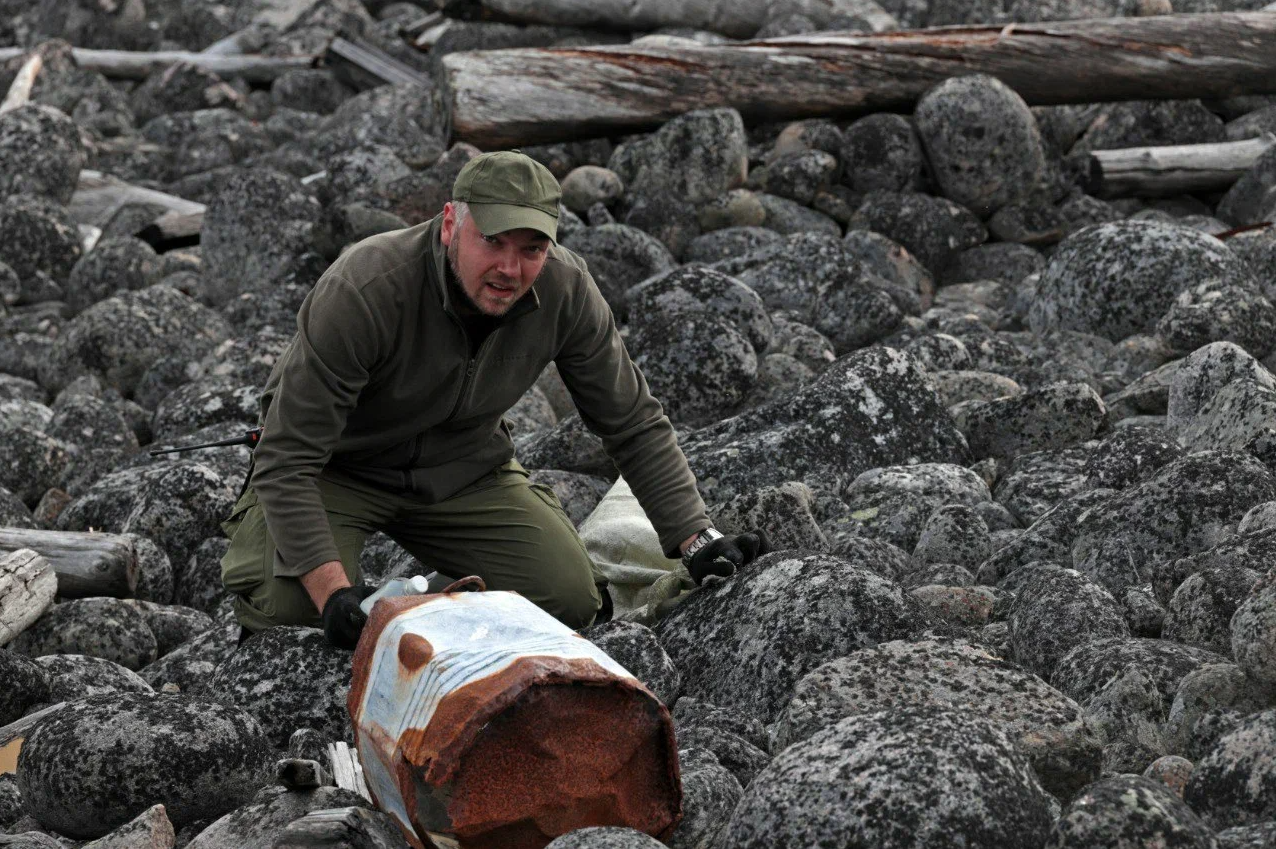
(191, 665)
(1128, 710)
(709, 794)
(1046, 539)
(961, 385)
(172, 625)
(97, 763)
(26, 685)
(178, 505)
(636, 648)
(881, 152)
(692, 290)
(568, 446)
(604, 837)
(954, 534)
(1253, 630)
(736, 754)
(932, 229)
(109, 628)
(890, 261)
(862, 782)
(78, 676)
(1007, 262)
(121, 337)
(1170, 770)
(201, 403)
(870, 409)
(699, 365)
(31, 461)
(1050, 728)
(1217, 311)
(785, 512)
(40, 153)
(1085, 670)
(258, 824)
(797, 176)
(690, 712)
(938, 352)
(255, 227)
(289, 678)
(1238, 417)
(981, 141)
(696, 156)
(733, 241)
(1126, 811)
(1057, 611)
(1118, 279)
(41, 246)
(1130, 456)
(961, 606)
(1257, 836)
(619, 257)
(1053, 416)
(893, 503)
(11, 801)
(1235, 783)
(1249, 198)
(1200, 376)
(114, 265)
(1206, 690)
(744, 643)
(1201, 609)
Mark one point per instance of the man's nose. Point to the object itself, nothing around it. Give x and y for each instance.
(508, 263)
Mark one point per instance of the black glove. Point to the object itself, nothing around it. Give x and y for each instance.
(723, 556)
(343, 619)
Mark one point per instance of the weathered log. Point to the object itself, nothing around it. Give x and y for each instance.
(27, 588)
(86, 564)
(362, 66)
(22, 727)
(250, 39)
(1175, 169)
(129, 65)
(504, 98)
(20, 88)
(99, 196)
(347, 772)
(173, 230)
(340, 828)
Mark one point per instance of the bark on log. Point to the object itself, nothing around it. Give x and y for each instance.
(504, 98)
(129, 65)
(86, 564)
(99, 196)
(1173, 170)
(27, 588)
(20, 89)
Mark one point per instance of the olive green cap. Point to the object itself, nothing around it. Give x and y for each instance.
(506, 190)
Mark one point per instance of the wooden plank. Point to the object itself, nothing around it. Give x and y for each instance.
(22, 727)
(347, 772)
(27, 589)
(504, 98)
(86, 564)
(131, 65)
(363, 66)
(1173, 169)
(20, 89)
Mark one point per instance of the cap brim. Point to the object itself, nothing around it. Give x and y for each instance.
(493, 218)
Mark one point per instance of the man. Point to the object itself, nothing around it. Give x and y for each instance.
(385, 413)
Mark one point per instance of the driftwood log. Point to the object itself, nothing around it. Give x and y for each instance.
(86, 564)
(347, 772)
(504, 98)
(362, 66)
(27, 588)
(20, 88)
(1174, 169)
(22, 727)
(129, 65)
(99, 196)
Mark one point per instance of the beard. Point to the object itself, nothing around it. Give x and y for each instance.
(453, 252)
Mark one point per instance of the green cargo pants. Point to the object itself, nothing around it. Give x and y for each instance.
(511, 533)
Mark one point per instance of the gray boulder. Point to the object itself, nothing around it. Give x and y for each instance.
(932, 229)
(1130, 456)
(1118, 279)
(1129, 810)
(636, 648)
(108, 628)
(78, 676)
(693, 713)
(981, 141)
(692, 290)
(198, 580)
(114, 265)
(1005, 261)
(862, 782)
(786, 512)
(41, 246)
(1251, 551)
(699, 365)
(893, 503)
(954, 534)
(27, 685)
(172, 625)
(289, 678)
(1053, 416)
(788, 217)
(1235, 783)
(191, 665)
(1057, 611)
(1201, 609)
(97, 763)
(1200, 375)
(31, 461)
(200, 403)
(869, 409)
(1085, 670)
(1253, 627)
(1036, 482)
(1257, 836)
(1049, 727)
(696, 156)
(1218, 311)
(1210, 689)
(1252, 196)
(892, 262)
(586, 185)
(1187, 507)
(255, 227)
(1128, 711)
(798, 175)
(1236, 418)
(744, 643)
(736, 754)
(881, 152)
(709, 794)
(396, 116)
(730, 242)
(620, 257)
(261, 822)
(604, 837)
(40, 153)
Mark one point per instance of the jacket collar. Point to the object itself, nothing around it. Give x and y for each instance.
(530, 302)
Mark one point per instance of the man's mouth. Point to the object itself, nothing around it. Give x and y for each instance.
(503, 290)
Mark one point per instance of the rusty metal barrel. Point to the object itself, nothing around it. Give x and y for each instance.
(484, 723)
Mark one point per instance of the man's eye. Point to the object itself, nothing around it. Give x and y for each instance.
(535, 250)
(491, 240)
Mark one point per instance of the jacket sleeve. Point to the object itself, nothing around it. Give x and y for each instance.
(319, 378)
(615, 404)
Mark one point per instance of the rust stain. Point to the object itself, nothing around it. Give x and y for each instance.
(415, 651)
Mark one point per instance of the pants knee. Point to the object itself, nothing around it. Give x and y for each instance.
(575, 607)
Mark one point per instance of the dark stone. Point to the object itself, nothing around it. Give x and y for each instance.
(740, 757)
(78, 676)
(568, 446)
(636, 648)
(191, 665)
(699, 365)
(201, 403)
(1200, 612)
(1144, 123)
(172, 625)
(289, 678)
(31, 461)
(1005, 261)
(690, 712)
(258, 824)
(709, 794)
(1085, 670)
(1049, 727)
(729, 242)
(1199, 376)
(1254, 630)
(744, 643)
(954, 534)
(981, 141)
(1055, 416)
(204, 140)
(696, 157)
(181, 87)
(939, 352)
(881, 152)
(1118, 279)
(891, 262)
(41, 246)
(861, 782)
(398, 116)
(1217, 311)
(798, 176)
(1235, 783)
(604, 837)
(309, 90)
(692, 290)
(95, 764)
(108, 628)
(893, 503)
(1130, 456)
(26, 685)
(786, 512)
(1129, 810)
(619, 257)
(40, 153)
(932, 229)
(13, 513)
(1056, 611)
(1250, 199)
(1249, 551)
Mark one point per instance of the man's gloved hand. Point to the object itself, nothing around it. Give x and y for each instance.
(343, 620)
(723, 556)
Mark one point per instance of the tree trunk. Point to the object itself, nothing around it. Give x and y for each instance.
(504, 98)
(27, 588)
(129, 65)
(1175, 169)
(86, 564)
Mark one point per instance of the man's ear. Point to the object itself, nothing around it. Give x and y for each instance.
(448, 229)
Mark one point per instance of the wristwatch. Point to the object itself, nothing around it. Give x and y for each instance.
(702, 539)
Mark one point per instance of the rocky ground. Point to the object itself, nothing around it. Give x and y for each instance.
(1016, 444)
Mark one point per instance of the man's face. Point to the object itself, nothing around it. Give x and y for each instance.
(494, 271)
